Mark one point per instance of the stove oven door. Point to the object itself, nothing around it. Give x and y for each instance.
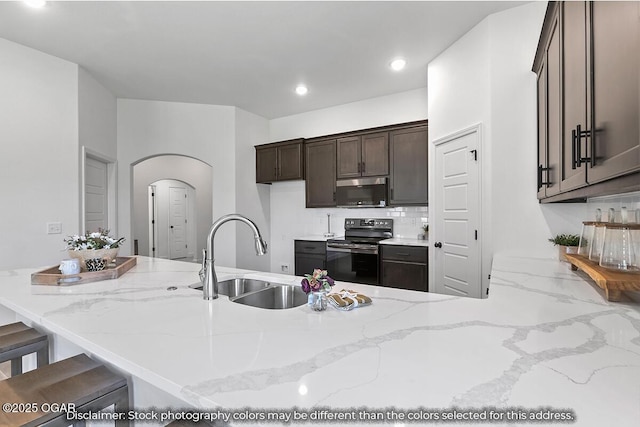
(358, 265)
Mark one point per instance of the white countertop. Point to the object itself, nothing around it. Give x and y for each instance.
(319, 237)
(544, 337)
(404, 241)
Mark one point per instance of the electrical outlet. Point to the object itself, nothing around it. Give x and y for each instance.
(284, 267)
(54, 228)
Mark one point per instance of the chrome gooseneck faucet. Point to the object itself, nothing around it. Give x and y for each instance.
(208, 272)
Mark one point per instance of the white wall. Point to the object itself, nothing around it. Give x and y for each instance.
(97, 116)
(385, 110)
(252, 200)
(38, 155)
(289, 217)
(485, 77)
(204, 132)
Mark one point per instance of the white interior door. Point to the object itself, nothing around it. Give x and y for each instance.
(96, 200)
(455, 235)
(177, 222)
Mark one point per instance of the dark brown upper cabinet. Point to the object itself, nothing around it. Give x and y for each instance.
(320, 183)
(363, 155)
(574, 93)
(588, 67)
(615, 86)
(549, 106)
(408, 177)
(280, 161)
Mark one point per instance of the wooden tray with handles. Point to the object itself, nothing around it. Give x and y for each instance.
(613, 282)
(52, 276)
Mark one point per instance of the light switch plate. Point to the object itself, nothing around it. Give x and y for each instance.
(54, 228)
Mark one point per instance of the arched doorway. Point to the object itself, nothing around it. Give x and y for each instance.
(194, 173)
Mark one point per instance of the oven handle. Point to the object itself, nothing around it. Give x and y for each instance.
(353, 250)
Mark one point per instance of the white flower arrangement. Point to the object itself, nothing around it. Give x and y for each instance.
(96, 240)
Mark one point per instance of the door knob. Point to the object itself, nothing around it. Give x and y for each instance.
(437, 244)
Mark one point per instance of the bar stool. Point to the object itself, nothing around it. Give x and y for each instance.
(77, 382)
(17, 340)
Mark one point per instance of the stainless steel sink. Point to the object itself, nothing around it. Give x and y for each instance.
(234, 287)
(275, 297)
(259, 293)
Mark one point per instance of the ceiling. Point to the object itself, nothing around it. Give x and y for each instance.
(247, 54)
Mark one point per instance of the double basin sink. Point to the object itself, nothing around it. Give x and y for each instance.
(259, 293)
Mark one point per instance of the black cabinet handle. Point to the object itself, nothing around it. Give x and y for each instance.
(437, 245)
(362, 167)
(578, 146)
(359, 167)
(577, 136)
(402, 254)
(574, 144)
(593, 147)
(540, 181)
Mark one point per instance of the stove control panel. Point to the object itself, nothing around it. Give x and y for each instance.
(368, 223)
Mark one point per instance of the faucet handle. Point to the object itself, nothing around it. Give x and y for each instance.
(201, 273)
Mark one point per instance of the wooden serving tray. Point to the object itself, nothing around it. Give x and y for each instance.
(613, 282)
(52, 276)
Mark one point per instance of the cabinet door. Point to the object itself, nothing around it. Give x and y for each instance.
(404, 275)
(549, 112)
(266, 164)
(574, 93)
(320, 183)
(349, 157)
(615, 60)
(375, 154)
(554, 110)
(543, 171)
(290, 162)
(409, 159)
(306, 263)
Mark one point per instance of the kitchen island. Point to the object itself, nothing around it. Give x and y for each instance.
(544, 339)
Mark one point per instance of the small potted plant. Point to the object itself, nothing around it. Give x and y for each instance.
(93, 245)
(567, 244)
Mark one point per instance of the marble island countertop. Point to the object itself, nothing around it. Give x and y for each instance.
(544, 338)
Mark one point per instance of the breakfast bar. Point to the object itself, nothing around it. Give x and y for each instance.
(544, 340)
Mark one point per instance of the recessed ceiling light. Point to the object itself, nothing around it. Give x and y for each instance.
(398, 64)
(301, 90)
(35, 3)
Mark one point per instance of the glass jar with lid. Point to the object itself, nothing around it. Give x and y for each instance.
(620, 247)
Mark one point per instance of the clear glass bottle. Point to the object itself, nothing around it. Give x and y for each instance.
(619, 250)
(595, 250)
(586, 238)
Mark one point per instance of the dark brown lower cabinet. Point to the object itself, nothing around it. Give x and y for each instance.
(404, 267)
(309, 255)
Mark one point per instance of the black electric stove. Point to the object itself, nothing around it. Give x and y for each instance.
(354, 258)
